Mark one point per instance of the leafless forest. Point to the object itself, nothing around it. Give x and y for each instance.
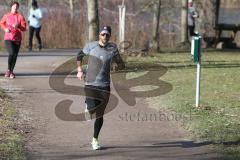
(65, 23)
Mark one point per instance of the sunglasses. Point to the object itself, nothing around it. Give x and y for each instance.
(105, 34)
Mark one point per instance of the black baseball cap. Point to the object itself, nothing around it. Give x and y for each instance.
(106, 29)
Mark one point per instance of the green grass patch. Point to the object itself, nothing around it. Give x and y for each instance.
(217, 120)
(11, 141)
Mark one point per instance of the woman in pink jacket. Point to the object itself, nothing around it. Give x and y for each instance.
(13, 24)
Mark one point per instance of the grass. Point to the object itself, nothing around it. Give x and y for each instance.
(217, 120)
(11, 141)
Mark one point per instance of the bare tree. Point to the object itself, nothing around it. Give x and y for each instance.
(156, 20)
(208, 16)
(71, 6)
(29, 3)
(217, 12)
(93, 19)
(184, 22)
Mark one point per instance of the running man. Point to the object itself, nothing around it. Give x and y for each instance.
(97, 82)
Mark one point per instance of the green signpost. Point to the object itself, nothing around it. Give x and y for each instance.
(196, 48)
(196, 53)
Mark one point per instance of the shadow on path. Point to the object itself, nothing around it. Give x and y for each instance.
(180, 150)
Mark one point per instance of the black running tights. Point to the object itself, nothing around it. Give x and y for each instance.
(13, 49)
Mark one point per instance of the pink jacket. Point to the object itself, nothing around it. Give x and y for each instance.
(8, 21)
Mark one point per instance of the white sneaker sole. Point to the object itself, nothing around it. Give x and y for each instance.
(96, 147)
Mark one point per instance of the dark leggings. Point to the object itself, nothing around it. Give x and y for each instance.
(31, 33)
(97, 127)
(96, 100)
(192, 30)
(13, 49)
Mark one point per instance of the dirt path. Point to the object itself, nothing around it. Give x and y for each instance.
(122, 137)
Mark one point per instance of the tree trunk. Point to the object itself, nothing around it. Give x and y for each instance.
(217, 12)
(184, 22)
(93, 19)
(156, 20)
(207, 17)
(29, 4)
(71, 6)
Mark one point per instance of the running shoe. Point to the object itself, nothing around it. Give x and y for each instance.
(95, 144)
(7, 73)
(39, 47)
(12, 75)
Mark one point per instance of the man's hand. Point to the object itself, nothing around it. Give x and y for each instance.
(119, 61)
(80, 75)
